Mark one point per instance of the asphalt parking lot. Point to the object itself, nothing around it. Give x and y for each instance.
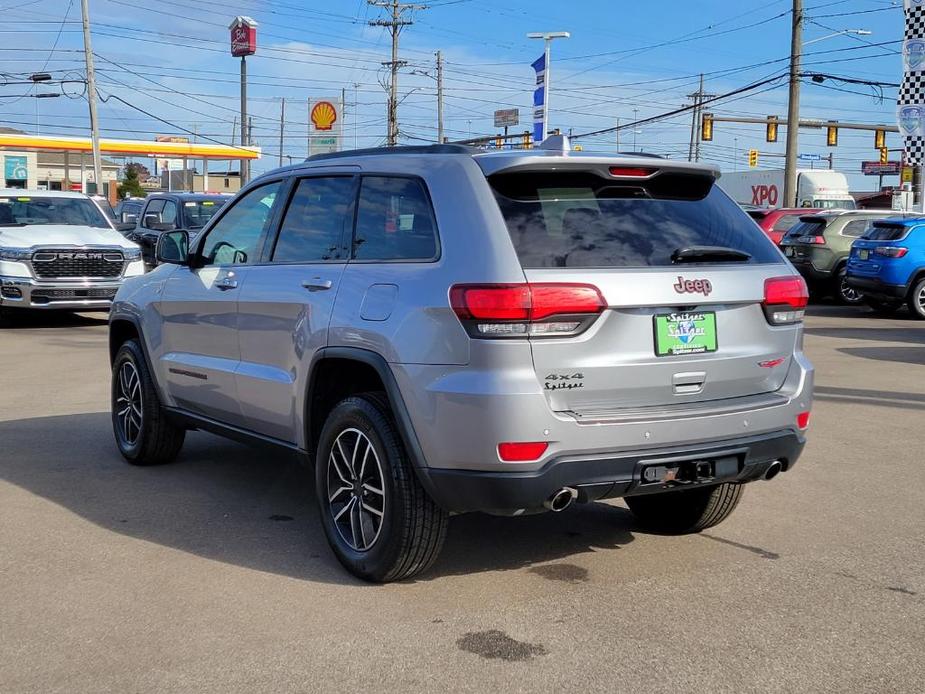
(213, 575)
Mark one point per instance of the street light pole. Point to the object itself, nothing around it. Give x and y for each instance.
(91, 99)
(548, 37)
(793, 107)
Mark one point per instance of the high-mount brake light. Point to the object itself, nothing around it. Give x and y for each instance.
(548, 309)
(785, 299)
(632, 171)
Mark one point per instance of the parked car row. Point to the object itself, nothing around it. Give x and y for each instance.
(873, 257)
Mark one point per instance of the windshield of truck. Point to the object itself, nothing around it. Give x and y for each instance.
(24, 210)
(579, 219)
(199, 212)
(834, 204)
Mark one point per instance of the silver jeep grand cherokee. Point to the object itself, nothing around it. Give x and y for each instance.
(444, 330)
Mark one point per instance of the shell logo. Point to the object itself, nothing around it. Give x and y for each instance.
(323, 115)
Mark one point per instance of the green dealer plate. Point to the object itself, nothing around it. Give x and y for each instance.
(682, 333)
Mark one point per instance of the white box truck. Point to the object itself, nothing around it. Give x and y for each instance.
(818, 188)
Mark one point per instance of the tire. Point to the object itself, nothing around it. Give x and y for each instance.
(380, 537)
(846, 294)
(884, 307)
(688, 510)
(148, 437)
(916, 300)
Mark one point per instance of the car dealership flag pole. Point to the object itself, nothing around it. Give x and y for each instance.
(541, 92)
(910, 111)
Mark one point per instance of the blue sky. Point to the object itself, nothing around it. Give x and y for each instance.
(624, 61)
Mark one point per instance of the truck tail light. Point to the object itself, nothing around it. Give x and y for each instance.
(890, 251)
(521, 452)
(785, 299)
(526, 310)
(815, 240)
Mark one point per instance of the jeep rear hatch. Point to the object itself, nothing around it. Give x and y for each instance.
(682, 273)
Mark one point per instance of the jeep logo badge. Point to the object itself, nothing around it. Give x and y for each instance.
(693, 286)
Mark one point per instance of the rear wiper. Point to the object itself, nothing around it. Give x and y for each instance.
(709, 254)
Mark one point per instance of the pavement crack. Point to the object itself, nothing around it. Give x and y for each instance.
(760, 551)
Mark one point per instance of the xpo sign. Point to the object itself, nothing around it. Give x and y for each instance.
(765, 195)
(243, 36)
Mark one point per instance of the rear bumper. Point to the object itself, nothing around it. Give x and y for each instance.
(876, 287)
(732, 460)
(22, 292)
(811, 272)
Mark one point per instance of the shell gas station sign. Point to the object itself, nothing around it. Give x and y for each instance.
(325, 125)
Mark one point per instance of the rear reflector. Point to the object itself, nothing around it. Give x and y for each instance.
(803, 420)
(518, 310)
(631, 171)
(521, 452)
(785, 299)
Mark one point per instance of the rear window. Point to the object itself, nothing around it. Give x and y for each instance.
(886, 232)
(786, 222)
(584, 220)
(807, 228)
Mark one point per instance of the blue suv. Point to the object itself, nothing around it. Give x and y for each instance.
(887, 264)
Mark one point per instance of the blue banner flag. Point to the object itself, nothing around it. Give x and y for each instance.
(539, 99)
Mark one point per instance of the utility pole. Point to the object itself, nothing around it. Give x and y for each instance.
(793, 108)
(91, 99)
(282, 126)
(440, 97)
(693, 153)
(394, 23)
(356, 115)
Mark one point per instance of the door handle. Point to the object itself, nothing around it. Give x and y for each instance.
(226, 284)
(317, 284)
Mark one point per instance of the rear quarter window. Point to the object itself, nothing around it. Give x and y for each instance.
(578, 219)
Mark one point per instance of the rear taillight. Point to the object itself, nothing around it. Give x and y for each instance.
(521, 451)
(890, 251)
(785, 299)
(522, 310)
(815, 240)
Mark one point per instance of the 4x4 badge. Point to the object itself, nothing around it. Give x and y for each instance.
(693, 286)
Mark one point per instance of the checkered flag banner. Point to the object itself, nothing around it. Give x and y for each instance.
(910, 111)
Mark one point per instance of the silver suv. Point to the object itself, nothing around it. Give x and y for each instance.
(442, 330)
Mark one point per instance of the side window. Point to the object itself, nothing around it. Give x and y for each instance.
(856, 228)
(235, 238)
(155, 207)
(313, 226)
(395, 221)
(169, 213)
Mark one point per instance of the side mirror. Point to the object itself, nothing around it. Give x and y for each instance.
(173, 248)
(130, 218)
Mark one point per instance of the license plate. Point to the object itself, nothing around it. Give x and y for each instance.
(863, 253)
(685, 333)
(788, 251)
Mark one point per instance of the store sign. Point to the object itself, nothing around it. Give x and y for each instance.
(15, 168)
(243, 36)
(875, 168)
(507, 117)
(326, 125)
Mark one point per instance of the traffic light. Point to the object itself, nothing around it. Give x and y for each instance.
(499, 142)
(771, 135)
(753, 158)
(880, 139)
(831, 136)
(884, 155)
(527, 143)
(706, 127)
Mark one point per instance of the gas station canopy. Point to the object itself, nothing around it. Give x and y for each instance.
(171, 150)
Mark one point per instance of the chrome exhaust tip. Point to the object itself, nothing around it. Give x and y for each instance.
(773, 470)
(561, 499)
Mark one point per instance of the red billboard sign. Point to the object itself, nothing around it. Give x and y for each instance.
(243, 36)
